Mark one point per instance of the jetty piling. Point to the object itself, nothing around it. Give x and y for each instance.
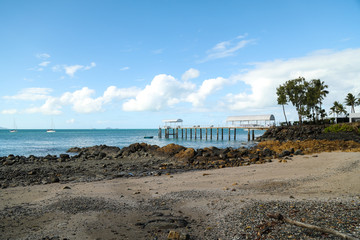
(197, 133)
(251, 123)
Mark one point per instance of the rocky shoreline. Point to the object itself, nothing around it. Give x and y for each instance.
(141, 159)
(106, 162)
(311, 132)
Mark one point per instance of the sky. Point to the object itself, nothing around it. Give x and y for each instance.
(133, 63)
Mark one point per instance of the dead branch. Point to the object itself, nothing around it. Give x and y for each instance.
(280, 217)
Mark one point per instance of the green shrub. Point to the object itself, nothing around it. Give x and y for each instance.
(341, 128)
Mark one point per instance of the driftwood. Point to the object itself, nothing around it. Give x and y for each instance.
(280, 217)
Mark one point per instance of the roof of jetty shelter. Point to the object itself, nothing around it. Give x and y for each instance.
(173, 121)
(268, 117)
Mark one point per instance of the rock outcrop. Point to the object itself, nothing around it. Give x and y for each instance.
(141, 159)
(307, 132)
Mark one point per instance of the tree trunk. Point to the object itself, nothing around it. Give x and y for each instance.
(285, 115)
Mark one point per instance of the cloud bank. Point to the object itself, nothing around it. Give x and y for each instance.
(339, 70)
(253, 89)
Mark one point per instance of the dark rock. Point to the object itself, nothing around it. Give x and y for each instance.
(305, 132)
(285, 153)
(54, 179)
(298, 152)
(267, 152)
(64, 156)
(74, 150)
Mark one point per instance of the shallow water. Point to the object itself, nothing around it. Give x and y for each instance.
(40, 143)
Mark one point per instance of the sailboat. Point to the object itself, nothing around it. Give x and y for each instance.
(14, 130)
(51, 130)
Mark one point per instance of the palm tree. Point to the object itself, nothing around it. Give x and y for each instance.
(282, 100)
(351, 101)
(321, 88)
(337, 109)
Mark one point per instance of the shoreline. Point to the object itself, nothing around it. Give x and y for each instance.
(226, 203)
(103, 162)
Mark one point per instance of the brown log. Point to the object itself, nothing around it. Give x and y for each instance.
(280, 217)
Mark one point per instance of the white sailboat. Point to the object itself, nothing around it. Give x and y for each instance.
(52, 129)
(14, 130)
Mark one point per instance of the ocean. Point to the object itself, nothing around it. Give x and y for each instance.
(41, 143)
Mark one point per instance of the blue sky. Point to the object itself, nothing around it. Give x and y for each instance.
(131, 64)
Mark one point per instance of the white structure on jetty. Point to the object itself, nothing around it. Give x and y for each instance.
(354, 117)
(173, 123)
(252, 121)
(174, 127)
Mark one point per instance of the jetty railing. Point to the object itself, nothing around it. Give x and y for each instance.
(209, 132)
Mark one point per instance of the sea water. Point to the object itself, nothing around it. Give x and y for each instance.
(41, 143)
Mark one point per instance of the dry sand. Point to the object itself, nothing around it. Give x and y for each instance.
(190, 203)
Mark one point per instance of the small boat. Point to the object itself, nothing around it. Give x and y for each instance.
(149, 137)
(14, 130)
(52, 129)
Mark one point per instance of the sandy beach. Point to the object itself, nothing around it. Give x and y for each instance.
(229, 203)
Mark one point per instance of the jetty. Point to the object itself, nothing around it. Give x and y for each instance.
(174, 128)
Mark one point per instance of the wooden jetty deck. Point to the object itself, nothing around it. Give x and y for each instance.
(208, 132)
(251, 123)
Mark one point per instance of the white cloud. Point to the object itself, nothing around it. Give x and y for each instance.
(71, 70)
(158, 51)
(226, 48)
(43, 56)
(44, 64)
(57, 68)
(70, 121)
(113, 92)
(51, 106)
(81, 101)
(340, 70)
(9, 111)
(92, 64)
(164, 91)
(124, 68)
(31, 94)
(190, 74)
(207, 88)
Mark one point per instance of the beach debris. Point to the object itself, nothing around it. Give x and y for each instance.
(173, 235)
(279, 217)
